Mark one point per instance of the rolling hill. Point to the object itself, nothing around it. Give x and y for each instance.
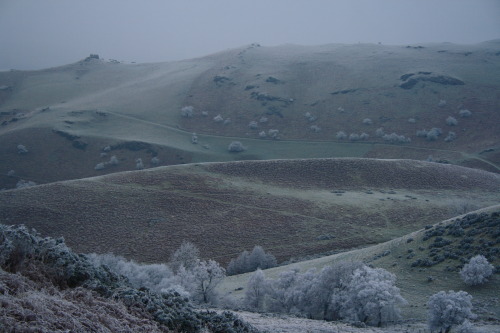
(74, 117)
(292, 208)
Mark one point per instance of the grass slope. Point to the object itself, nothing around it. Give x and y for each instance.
(66, 115)
(291, 207)
(416, 282)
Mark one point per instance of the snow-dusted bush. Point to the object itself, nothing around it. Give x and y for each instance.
(310, 117)
(353, 137)
(395, 138)
(412, 120)
(273, 134)
(449, 309)
(155, 277)
(138, 164)
(11, 173)
(379, 132)
(367, 121)
(253, 124)
(155, 161)
(25, 183)
(21, 149)
(236, 147)
(263, 120)
(194, 138)
(99, 166)
(431, 135)
(204, 113)
(227, 121)
(341, 135)
(451, 121)
(250, 261)
(476, 271)
(441, 103)
(187, 111)
(315, 128)
(363, 136)
(218, 119)
(450, 137)
(113, 160)
(464, 113)
(262, 134)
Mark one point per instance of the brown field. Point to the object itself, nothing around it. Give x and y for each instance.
(286, 206)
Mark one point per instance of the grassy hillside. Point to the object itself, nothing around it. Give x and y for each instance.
(66, 115)
(405, 257)
(292, 208)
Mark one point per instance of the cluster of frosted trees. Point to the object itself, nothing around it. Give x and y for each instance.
(347, 290)
(250, 261)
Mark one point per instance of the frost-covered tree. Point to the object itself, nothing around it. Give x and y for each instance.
(367, 121)
(187, 255)
(315, 128)
(218, 119)
(363, 136)
(464, 113)
(476, 271)
(353, 137)
(379, 132)
(21, 149)
(100, 166)
(202, 279)
(450, 137)
(451, 121)
(187, 111)
(25, 183)
(155, 161)
(256, 290)
(253, 125)
(194, 138)
(273, 134)
(448, 309)
(372, 297)
(138, 164)
(249, 262)
(113, 160)
(236, 147)
(262, 134)
(341, 135)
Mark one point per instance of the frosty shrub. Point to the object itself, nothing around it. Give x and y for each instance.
(113, 160)
(21, 149)
(379, 132)
(273, 134)
(235, 147)
(450, 137)
(451, 121)
(476, 271)
(25, 183)
(11, 173)
(155, 161)
(412, 120)
(263, 120)
(218, 119)
(249, 262)
(194, 138)
(262, 134)
(186, 255)
(363, 136)
(464, 113)
(315, 128)
(433, 134)
(447, 309)
(367, 121)
(138, 164)
(253, 125)
(227, 121)
(354, 137)
(99, 166)
(204, 113)
(441, 103)
(341, 135)
(310, 118)
(394, 138)
(187, 111)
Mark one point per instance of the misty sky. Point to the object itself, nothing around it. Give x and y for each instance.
(37, 34)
